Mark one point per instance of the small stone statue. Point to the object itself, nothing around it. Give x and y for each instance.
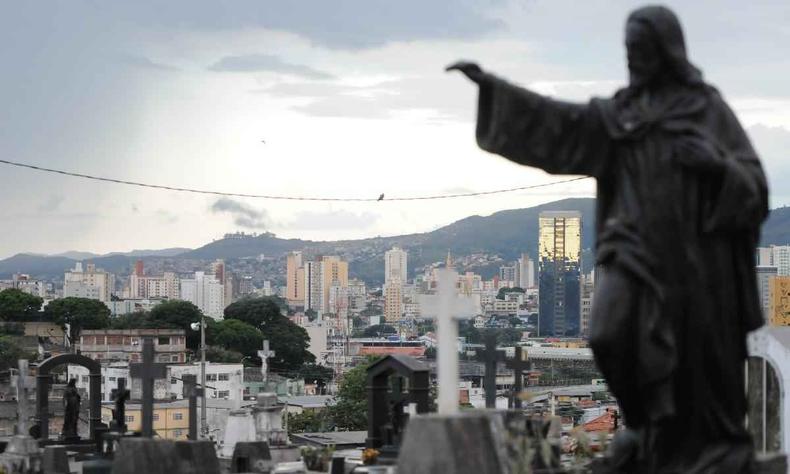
(71, 404)
(681, 198)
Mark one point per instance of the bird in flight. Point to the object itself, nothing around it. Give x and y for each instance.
(381, 198)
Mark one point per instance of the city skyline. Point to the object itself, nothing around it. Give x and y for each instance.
(201, 92)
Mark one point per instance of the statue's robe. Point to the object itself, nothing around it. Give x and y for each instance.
(681, 197)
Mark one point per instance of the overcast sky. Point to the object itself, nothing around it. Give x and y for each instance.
(350, 97)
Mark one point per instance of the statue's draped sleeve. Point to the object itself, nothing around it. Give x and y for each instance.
(742, 202)
(530, 129)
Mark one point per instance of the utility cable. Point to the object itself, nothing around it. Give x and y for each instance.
(284, 198)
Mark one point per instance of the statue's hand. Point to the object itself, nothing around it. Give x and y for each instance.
(470, 70)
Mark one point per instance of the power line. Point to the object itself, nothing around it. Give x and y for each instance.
(283, 198)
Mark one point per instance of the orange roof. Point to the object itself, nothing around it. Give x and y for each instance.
(418, 351)
(604, 422)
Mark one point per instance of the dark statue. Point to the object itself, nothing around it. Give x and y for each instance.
(681, 197)
(71, 405)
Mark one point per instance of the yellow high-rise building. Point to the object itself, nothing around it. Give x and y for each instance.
(294, 291)
(559, 265)
(779, 306)
(334, 273)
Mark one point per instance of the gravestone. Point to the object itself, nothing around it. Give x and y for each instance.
(491, 357)
(197, 457)
(251, 456)
(161, 456)
(148, 371)
(386, 414)
(463, 443)
(55, 460)
(518, 365)
(446, 307)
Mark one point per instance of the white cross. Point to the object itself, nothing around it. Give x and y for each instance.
(264, 355)
(447, 306)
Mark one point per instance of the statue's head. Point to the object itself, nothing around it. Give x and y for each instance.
(656, 48)
(72, 383)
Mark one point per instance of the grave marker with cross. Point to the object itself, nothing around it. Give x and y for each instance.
(265, 354)
(447, 307)
(120, 395)
(490, 356)
(518, 364)
(148, 371)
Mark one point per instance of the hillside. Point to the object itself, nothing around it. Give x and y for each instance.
(506, 234)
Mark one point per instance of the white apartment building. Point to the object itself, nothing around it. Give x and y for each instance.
(764, 276)
(90, 283)
(25, 284)
(110, 373)
(129, 306)
(775, 256)
(526, 272)
(224, 381)
(395, 265)
(313, 287)
(205, 292)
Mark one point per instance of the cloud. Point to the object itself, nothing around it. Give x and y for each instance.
(243, 215)
(340, 24)
(145, 63)
(331, 220)
(266, 63)
(52, 203)
(167, 216)
(772, 144)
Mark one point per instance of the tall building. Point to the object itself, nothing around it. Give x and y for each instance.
(764, 276)
(295, 279)
(395, 265)
(334, 272)
(587, 293)
(779, 307)
(90, 283)
(205, 292)
(313, 287)
(781, 259)
(508, 273)
(526, 272)
(559, 253)
(155, 287)
(393, 301)
(357, 295)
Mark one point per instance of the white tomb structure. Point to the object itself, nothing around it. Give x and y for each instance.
(768, 379)
(260, 422)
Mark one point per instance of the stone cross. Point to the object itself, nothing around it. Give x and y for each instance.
(265, 354)
(147, 371)
(519, 364)
(21, 397)
(120, 395)
(490, 356)
(191, 391)
(446, 306)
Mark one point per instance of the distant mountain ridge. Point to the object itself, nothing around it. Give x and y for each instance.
(505, 234)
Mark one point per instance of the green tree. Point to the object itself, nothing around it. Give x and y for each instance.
(137, 320)
(314, 373)
(289, 341)
(350, 411)
(16, 305)
(503, 291)
(236, 335)
(11, 352)
(178, 314)
(223, 355)
(12, 329)
(309, 421)
(79, 314)
(311, 314)
(378, 330)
